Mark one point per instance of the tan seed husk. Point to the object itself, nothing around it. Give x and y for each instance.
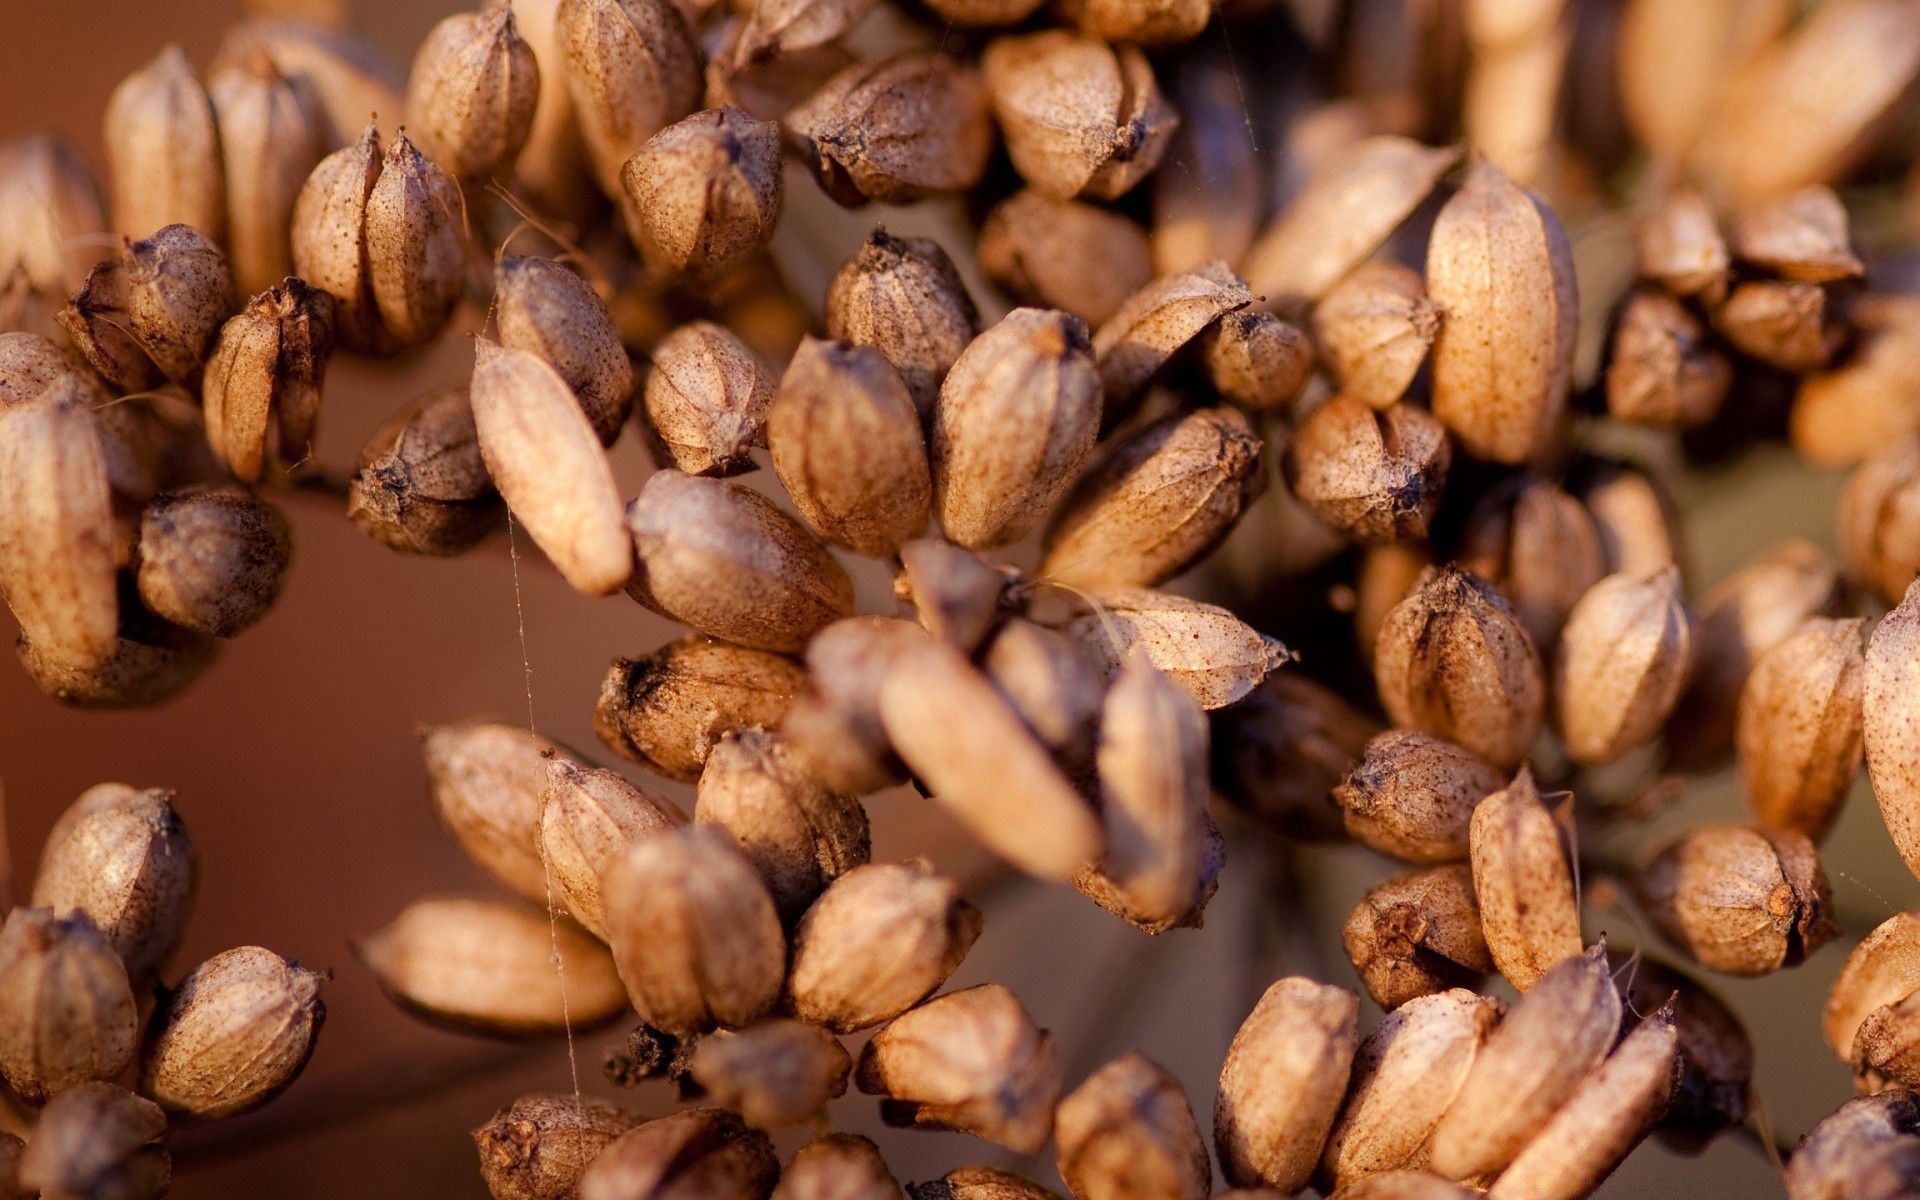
(1892, 731)
(706, 399)
(1886, 1051)
(1128, 1133)
(1853, 412)
(1214, 655)
(261, 396)
(1055, 686)
(1662, 372)
(1783, 324)
(767, 89)
(1540, 547)
(1373, 475)
(272, 135)
(837, 1166)
(351, 76)
(546, 309)
(1374, 329)
(151, 662)
(1412, 796)
(1282, 1083)
(539, 1146)
(211, 559)
(1679, 243)
(1676, 59)
(1800, 726)
(1524, 883)
(781, 28)
(980, 1183)
(704, 1152)
(1868, 1141)
(122, 856)
(152, 313)
(796, 833)
(486, 779)
(330, 239)
(705, 192)
(50, 210)
(1080, 117)
(420, 485)
(163, 150)
(1154, 323)
(1739, 901)
(774, 1074)
(1716, 1055)
(1280, 752)
(96, 1139)
(30, 364)
(1418, 934)
(416, 251)
(956, 595)
(895, 131)
(236, 1033)
(904, 297)
(1884, 969)
(1800, 235)
(833, 725)
(1065, 254)
(1624, 655)
(1879, 535)
(1256, 360)
(1638, 522)
(588, 817)
(879, 940)
(472, 92)
(66, 1012)
(668, 710)
(632, 69)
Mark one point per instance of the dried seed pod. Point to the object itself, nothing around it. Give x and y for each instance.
(261, 396)
(1374, 329)
(1159, 501)
(330, 240)
(904, 297)
(774, 1074)
(66, 1012)
(1887, 1045)
(768, 88)
(1374, 475)
(980, 1183)
(1739, 901)
(780, 28)
(1716, 1056)
(1405, 1074)
(421, 485)
(1155, 24)
(538, 1147)
(1883, 970)
(1524, 883)
(49, 213)
(1399, 1185)
(1016, 422)
(704, 1152)
(163, 150)
(1800, 235)
(1342, 216)
(847, 445)
(1532, 1062)
(272, 135)
(30, 364)
(707, 398)
(472, 91)
(486, 780)
(1892, 736)
(489, 966)
(1279, 753)
(122, 856)
(1417, 934)
(1879, 535)
(1256, 360)
(723, 559)
(1453, 660)
(1626, 652)
(1054, 685)
(632, 68)
(588, 817)
(895, 131)
(705, 192)
(1080, 117)
(1500, 267)
(949, 725)
(154, 311)
(837, 1166)
(970, 1061)
(1540, 547)
(694, 932)
(1602, 1121)
(1661, 372)
(879, 940)
(1638, 522)
(56, 528)
(1679, 243)
(1800, 726)
(1154, 324)
(1853, 412)
(1412, 795)
(957, 595)
(236, 1033)
(1782, 324)
(833, 725)
(1127, 1133)
(1865, 1150)
(546, 309)
(350, 75)
(416, 251)
(151, 662)
(211, 559)
(668, 710)
(1065, 254)
(1214, 655)
(96, 1140)
(796, 833)
(1282, 1083)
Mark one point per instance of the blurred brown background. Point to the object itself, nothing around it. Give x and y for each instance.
(298, 773)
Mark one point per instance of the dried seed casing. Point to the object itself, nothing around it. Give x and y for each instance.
(879, 940)
(904, 297)
(1374, 475)
(1154, 323)
(1417, 934)
(1214, 655)
(122, 856)
(957, 596)
(472, 91)
(1055, 686)
(1739, 901)
(420, 484)
(236, 1033)
(330, 240)
(1412, 795)
(1077, 257)
(1892, 733)
(668, 710)
(1679, 243)
(1080, 116)
(837, 1166)
(66, 1011)
(486, 780)
(895, 131)
(834, 724)
(1256, 360)
(707, 397)
(1127, 1133)
(981, 1183)
(153, 312)
(588, 817)
(1635, 513)
(1856, 411)
(1879, 519)
(1282, 1084)
(1524, 883)
(774, 1074)
(540, 1145)
(1281, 750)
(702, 1151)
(1800, 726)
(546, 309)
(632, 69)
(1662, 371)
(349, 74)
(1540, 547)
(705, 192)
(95, 1139)
(1868, 1138)
(49, 211)
(1624, 655)
(1883, 970)
(782, 28)
(211, 559)
(1374, 329)
(271, 136)
(1798, 235)
(152, 661)
(416, 250)
(1716, 1055)
(163, 150)
(1783, 324)
(261, 395)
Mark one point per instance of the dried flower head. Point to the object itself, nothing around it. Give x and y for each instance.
(668, 710)
(1737, 900)
(261, 396)
(1523, 879)
(211, 559)
(546, 309)
(1417, 934)
(153, 312)
(472, 92)
(416, 250)
(707, 397)
(1662, 371)
(1256, 360)
(421, 485)
(1783, 324)
(1800, 726)
(1374, 475)
(896, 130)
(122, 856)
(904, 297)
(704, 192)
(1281, 1086)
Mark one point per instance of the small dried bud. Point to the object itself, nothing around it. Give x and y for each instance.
(472, 91)
(1626, 652)
(774, 1074)
(66, 1012)
(97, 1140)
(970, 1061)
(1800, 235)
(1663, 372)
(1081, 117)
(1530, 1065)
(1523, 881)
(1256, 360)
(1892, 734)
(668, 710)
(1602, 1121)
(152, 313)
(330, 239)
(834, 723)
(416, 252)
(588, 818)
(694, 932)
(163, 150)
(421, 485)
(837, 1166)
(1127, 1133)
(1869, 1149)
(1638, 522)
(1016, 422)
(1681, 249)
(1883, 970)
(1155, 323)
(969, 748)
(264, 378)
(1453, 660)
(1716, 1055)
(707, 398)
(1374, 330)
(632, 69)
(1279, 753)
(796, 833)
(211, 559)
(904, 297)
(706, 1152)
(847, 445)
(1282, 1083)
(1405, 1074)
(1417, 934)
(1739, 901)
(1781, 324)
(1412, 795)
(896, 130)
(1800, 726)
(497, 967)
(704, 192)
(1540, 547)
(721, 558)
(121, 856)
(236, 1033)
(1374, 475)
(56, 527)
(1342, 216)
(538, 1147)
(486, 780)
(1853, 412)
(1160, 500)
(545, 309)
(980, 1183)
(1065, 254)
(958, 596)
(879, 940)
(49, 213)
(1054, 685)
(1214, 655)
(1879, 519)
(272, 134)
(151, 662)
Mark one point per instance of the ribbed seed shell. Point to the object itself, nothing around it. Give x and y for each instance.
(668, 710)
(1413, 796)
(330, 239)
(1153, 324)
(1625, 653)
(261, 395)
(421, 485)
(1214, 655)
(1282, 1084)
(416, 251)
(1080, 116)
(1417, 934)
(705, 192)
(122, 856)
(1070, 255)
(1540, 547)
(546, 309)
(1374, 475)
(904, 297)
(537, 1147)
(1893, 724)
(896, 130)
(1524, 884)
(50, 210)
(707, 398)
(1739, 901)
(271, 136)
(66, 1012)
(1883, 969)
(1127, 1133)
(632, 69)
(163, 149)
(588, 817)
(472, 92)
(879, 940)
(236, 1033)
(1374, 330)
(1800, 728)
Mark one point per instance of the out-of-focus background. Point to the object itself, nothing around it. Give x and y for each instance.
(298, 772)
